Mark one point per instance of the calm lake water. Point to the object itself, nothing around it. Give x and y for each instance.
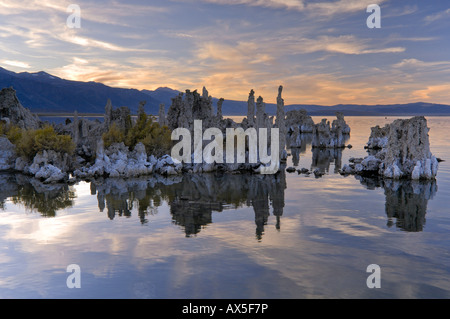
(233, 236)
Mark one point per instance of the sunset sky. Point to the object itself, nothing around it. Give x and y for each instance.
(321, 51)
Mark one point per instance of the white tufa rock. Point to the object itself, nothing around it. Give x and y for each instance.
(407, 152)
(378, 137)
(7, 154)
(50, 174)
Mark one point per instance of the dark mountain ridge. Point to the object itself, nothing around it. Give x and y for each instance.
(45, 93)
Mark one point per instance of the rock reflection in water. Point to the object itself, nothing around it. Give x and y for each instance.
(406, 200)
(199, 195)
(34, 195)
(120, 196)
(194, 197)
(297, 150)
(323, 157)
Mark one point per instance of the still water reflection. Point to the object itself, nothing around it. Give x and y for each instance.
(193, 198)
(230, 236)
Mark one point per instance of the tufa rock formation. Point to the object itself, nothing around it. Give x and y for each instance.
(340, 123)
(325, 136)
(251, 108)
(12, 112)
(299, 119)
(331, 136)
(405, 152)
(378, 137)
(162, 115)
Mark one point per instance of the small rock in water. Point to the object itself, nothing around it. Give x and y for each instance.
(318, 173)
(303, 171)
(290, 169)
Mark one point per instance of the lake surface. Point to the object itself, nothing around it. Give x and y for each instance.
(233, 236)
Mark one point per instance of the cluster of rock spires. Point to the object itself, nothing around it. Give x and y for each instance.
(403, 149)
(190, 106)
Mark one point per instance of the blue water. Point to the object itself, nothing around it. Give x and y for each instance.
(233, 236)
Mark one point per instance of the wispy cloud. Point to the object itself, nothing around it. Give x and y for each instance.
(323, 8)
(345, 44)
(18, 64)
(284, 4)
(437, 16)
(415, 63)
(72, 37)
(330, 8)
(320, 50)
(439, 92)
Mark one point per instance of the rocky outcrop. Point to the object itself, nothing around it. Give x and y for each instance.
(294, 138)
(12, 112)
(118, 161)
(280, 123)
(85, 132)
(162, 115)
(262, 119)
(108, 114)
(7, 154)
(325, 136)
(299, 119)
(331, 136)
(251, 108)
(219, 109)
(405, 152)
(340, 124)
(378, 138)
(190, 107)
(48, 166)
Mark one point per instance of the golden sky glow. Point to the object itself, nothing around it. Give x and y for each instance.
(321, 51)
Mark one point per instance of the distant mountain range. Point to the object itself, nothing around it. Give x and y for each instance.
(45, 93)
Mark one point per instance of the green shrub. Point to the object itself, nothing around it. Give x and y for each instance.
(32, 142)
(12, 132)
(114, 135)
(156, 139)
